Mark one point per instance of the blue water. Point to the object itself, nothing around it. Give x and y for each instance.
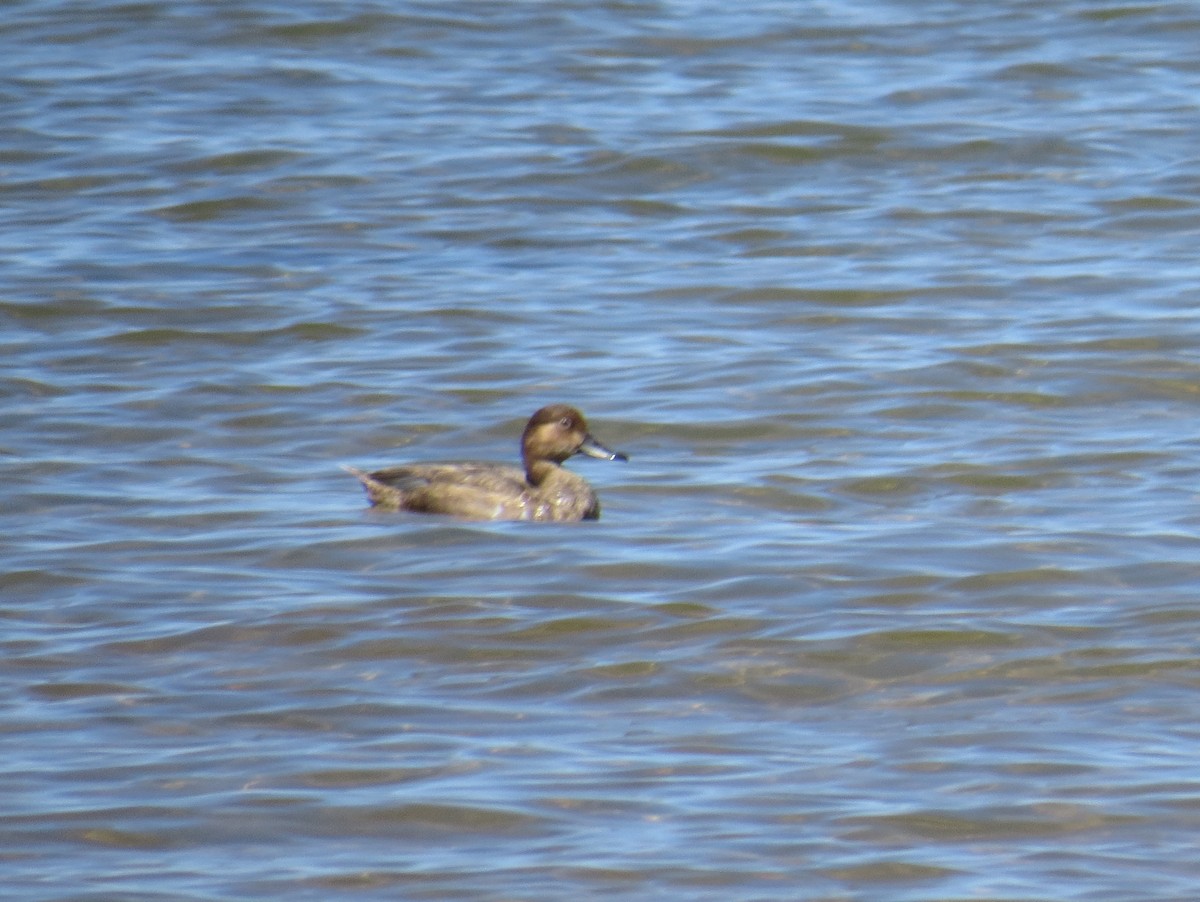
(892, 307)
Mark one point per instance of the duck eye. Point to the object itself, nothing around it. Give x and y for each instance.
(565, 422)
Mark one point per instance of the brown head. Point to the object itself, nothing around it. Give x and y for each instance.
(555, 433)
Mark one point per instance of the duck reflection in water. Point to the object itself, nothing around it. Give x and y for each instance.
(543, 490)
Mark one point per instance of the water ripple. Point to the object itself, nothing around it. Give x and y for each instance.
(892, 312)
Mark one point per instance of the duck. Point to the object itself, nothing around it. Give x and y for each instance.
(541, 489)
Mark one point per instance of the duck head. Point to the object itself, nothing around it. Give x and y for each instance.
(555, 433)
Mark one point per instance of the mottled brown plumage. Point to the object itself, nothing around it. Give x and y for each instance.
(543, 490)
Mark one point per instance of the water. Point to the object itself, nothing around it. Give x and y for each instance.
(892, 307)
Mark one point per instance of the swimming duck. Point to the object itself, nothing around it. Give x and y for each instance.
(485, 491)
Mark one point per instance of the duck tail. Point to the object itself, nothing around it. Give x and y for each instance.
(378, 493)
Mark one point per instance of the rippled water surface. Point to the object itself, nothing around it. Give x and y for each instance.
(893, 307)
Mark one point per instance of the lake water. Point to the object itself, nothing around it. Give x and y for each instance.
(893, 307)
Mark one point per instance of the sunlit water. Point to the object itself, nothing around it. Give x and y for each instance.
(891, 305)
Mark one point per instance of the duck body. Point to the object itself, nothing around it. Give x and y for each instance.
(480, 491)
(541, 490)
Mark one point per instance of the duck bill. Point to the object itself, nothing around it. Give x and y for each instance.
(593, 448)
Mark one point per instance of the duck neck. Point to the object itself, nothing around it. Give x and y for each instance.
(538, 471)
